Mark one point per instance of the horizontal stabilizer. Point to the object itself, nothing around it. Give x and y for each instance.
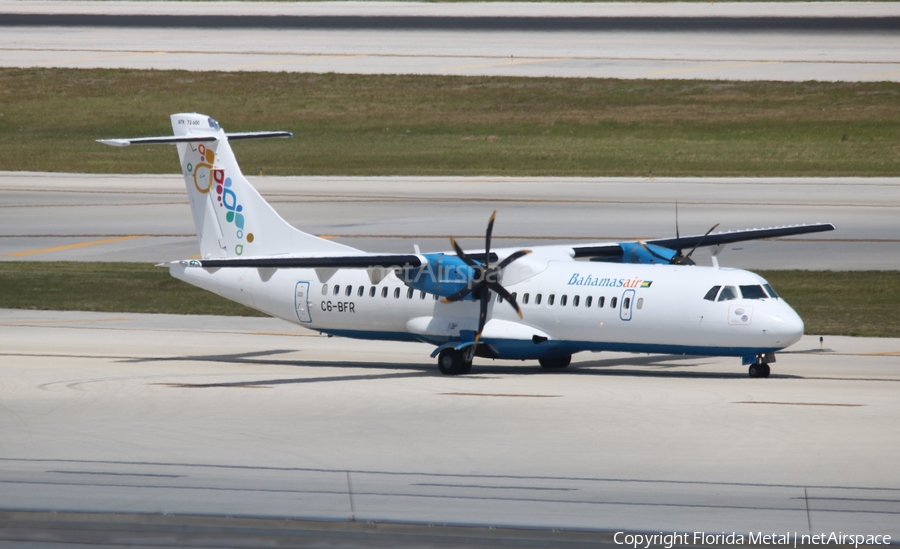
(170, 139)
(256, 135)
(158, 140)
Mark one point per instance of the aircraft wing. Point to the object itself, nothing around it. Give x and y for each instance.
(613, 250)
(329, 262)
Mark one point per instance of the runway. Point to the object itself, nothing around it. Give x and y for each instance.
(250, 417)
(88, 217)
(743, 41)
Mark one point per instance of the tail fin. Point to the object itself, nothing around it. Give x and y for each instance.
(230, 217)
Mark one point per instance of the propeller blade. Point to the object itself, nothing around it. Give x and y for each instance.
(482, 314)
(462, 255)
(701, 240)
(653, 253)
(457, 296)
(507, 296)
(512, 257)
(487, 238)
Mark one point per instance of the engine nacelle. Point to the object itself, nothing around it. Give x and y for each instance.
(633, 252)
(442, 275)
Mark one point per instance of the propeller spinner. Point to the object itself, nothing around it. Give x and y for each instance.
(486, 279)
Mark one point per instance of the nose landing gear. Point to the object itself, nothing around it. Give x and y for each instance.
(759, 365)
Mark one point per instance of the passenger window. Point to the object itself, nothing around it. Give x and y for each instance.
(324, 289)
(499, 298)
(513, 295)
(421, 295)
(771, 291)
(550, 299)
(728, 293)
(384, 292)
(640, 303)
(372, 291)
(361, 290)
(337, 289)
(613, 301)
(711, 294)
(409, 293)
(601, 301)
(396, 293)
(753, 292)
(525, 299)
(587, 301)
(626, 303)
(537, 299)
(349, 291)
(563, 300)
(575, 301)
(435, 297)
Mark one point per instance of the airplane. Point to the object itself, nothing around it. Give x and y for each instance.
(544, 303)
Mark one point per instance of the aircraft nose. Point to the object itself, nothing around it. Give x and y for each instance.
(785, 327)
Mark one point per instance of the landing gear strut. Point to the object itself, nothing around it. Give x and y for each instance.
(555, 363)
(759, 370)
(453, 363)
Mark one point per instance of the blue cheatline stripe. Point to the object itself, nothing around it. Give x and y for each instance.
(528, 350)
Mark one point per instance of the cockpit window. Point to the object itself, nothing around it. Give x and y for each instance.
(753, 292)
(711, 294)
(770, 290)
(728, 293)
(213, 124)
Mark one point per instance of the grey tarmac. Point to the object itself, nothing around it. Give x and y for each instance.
(146, 218)
(732, 41)
(253, 417)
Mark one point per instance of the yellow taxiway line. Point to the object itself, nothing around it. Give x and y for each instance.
(73, 246)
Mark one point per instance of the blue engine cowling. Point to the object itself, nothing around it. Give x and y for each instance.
(443, 275)
(633, 252)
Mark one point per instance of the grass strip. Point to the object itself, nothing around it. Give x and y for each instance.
(455, 125)
(855, 303)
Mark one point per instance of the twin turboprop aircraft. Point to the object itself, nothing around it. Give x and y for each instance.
(545, 303)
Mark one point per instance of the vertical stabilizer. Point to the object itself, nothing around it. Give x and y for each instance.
(230, 217)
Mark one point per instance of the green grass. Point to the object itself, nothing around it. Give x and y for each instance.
(451, 125)
(854, 303)
(860, 303)
(106, 287)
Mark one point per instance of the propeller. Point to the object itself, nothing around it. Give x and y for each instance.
(486, 278)
(679, 258)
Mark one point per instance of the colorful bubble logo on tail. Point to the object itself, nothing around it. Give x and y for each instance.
(205, 175)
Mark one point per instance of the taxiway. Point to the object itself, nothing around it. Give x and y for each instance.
(731, 41)
(187, 415)
(89, 217)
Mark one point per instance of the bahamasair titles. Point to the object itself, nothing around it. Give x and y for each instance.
(544, 303)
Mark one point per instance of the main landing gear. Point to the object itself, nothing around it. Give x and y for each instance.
(555, 363)
(453, 363)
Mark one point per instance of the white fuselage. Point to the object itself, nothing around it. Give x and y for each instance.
(568, 306)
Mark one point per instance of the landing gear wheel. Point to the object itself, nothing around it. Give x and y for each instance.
(555, 363)
(453, 363)
(759, 370)
(765, 370)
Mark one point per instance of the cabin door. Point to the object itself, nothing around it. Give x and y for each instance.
(626, 305)
(301, 301)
